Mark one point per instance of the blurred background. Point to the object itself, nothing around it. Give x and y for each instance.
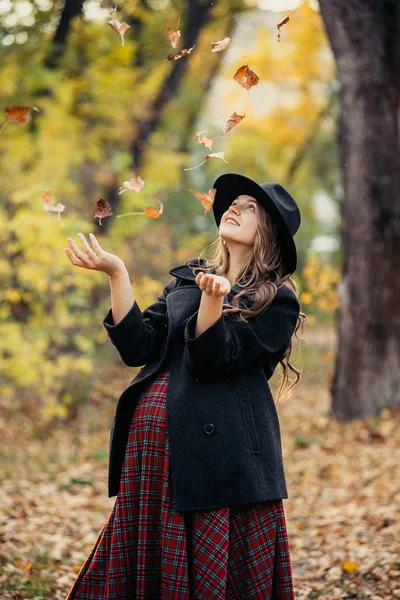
(323, 120)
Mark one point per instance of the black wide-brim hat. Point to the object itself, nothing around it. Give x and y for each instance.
(274, 198)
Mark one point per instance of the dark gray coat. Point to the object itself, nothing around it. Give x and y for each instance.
(222, 423)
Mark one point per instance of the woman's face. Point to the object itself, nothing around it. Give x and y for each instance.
(246, 211)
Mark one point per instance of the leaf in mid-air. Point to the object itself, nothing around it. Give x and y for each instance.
(18, 114)
(103, 210)
(50, 206)
(231, 122)
(184, 52)
(221, 45)
(136, 184)
(117, 26)
(173, 36)
(206, 198)
(246, 77)
(207, 156)
(206, 141)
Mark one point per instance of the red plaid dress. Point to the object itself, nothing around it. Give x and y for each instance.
(148, 551)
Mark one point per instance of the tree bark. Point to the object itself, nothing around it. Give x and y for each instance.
(365, 39)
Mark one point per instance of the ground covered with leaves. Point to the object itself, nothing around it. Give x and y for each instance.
(343, 480)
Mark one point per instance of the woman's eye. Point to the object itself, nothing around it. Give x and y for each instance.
(251, 206)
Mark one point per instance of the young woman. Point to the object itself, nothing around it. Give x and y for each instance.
(195, 447)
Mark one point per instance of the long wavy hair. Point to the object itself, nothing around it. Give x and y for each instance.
(258, 278)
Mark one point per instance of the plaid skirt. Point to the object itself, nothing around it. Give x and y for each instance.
(149, 551)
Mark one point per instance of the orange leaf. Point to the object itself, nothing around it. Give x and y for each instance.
(221, 45)
(207, 156)
(232, 121)
(117, 26)
(206, 141)
(103, 210)
(206, 198)
(183, 52)
(28, 566)
(285, 20)
(246, 77)
(174, 37)
(152, 212)
(134, 184)
(18, 114)
(49, 205)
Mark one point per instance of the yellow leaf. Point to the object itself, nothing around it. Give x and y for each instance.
(349, 566)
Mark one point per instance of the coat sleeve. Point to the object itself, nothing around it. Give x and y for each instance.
(228, 346)
(138, 336)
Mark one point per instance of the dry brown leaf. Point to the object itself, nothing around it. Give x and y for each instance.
(285, 20)
(18, 114)
(184, 52)
(117, 25)
(207, 156)
(174, 37)
(221, 45)
(136, 184)
(206, 141)
(246, 77)
(206, 198)
(231, 122)
(50, 206)
(103, 210)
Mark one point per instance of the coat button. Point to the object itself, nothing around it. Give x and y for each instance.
(208, 428)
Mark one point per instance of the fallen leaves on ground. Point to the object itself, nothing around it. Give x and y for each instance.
(342, 513)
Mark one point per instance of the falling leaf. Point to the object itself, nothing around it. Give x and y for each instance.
(231, 122)
(183, 52)
(50, 206)
(246, 77)
(206, 198)
(117, 25)
(285, 20)
(349, 566)
(206, 141)
(174, 37)
(149, 211)
(221, 45)
(135, 184)
(18, 114)
(103, 210)
(152, 212)
(207, 156)
(27, 566)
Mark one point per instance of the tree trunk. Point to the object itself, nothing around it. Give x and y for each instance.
(365, 39)
(71, 9)
(197, 16)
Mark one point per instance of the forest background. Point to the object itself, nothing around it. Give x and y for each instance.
(109, 111)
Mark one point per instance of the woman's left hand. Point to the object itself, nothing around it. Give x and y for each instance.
(213, 285)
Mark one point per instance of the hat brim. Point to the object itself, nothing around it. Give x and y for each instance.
(231, 185)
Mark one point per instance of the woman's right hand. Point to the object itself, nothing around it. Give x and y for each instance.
(96, 259)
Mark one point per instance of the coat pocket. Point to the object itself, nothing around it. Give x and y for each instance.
(248, 418)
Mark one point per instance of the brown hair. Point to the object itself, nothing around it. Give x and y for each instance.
(259, 277)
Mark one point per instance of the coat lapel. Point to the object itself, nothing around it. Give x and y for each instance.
(184, 271)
